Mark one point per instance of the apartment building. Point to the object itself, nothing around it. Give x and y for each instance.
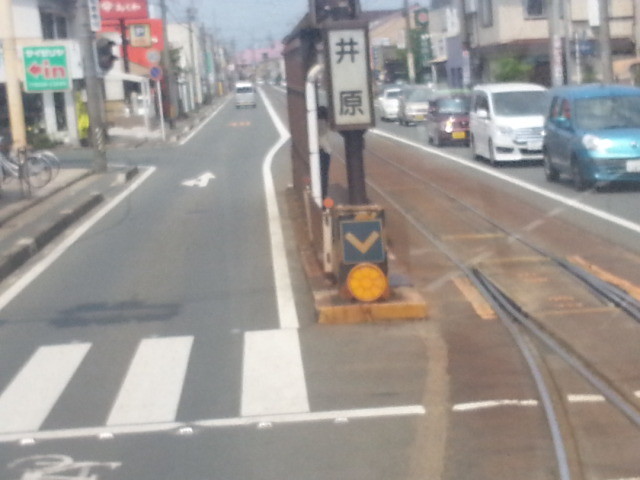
(475, 35)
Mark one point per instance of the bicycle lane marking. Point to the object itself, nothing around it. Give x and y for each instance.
(36, 270)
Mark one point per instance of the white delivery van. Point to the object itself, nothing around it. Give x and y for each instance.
(506, 121)
(245, 95)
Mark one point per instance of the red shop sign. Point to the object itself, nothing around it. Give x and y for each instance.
(123, 9)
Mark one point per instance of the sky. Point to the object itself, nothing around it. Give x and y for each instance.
(256, 22)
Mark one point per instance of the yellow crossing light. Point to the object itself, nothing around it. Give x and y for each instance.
(367, 282)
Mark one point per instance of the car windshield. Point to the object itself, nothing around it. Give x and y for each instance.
(419, 95)
(520, 103)
(607, 112)
(392, 93)
(244, 90)
(454, 105)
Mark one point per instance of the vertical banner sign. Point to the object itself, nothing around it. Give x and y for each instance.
(95, 20)
(45, 68)
(349, 78)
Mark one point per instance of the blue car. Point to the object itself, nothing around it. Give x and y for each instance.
(592, 134)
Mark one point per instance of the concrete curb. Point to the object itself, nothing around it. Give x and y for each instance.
(26, 248)
(36, 200)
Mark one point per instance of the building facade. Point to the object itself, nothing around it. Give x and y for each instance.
(480, 34)
(42, 27)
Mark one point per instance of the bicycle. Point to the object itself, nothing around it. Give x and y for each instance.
(34, 170)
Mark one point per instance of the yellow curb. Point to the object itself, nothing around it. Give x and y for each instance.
(405, 304)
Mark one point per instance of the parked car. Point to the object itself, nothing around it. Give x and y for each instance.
(506, 121)
(388, 103)
(448, 118)
(245, 95)
(592, 134)
(413, 104)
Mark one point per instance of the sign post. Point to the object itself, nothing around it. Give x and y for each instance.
(359, 227)
(351, 101)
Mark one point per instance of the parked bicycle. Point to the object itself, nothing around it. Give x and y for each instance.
(32, 169)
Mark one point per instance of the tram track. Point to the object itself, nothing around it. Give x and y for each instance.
(505, 267)
(519, 322)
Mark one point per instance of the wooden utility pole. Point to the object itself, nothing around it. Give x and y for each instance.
(411, 69)
(167, 68)
(95, 95)
(12, 66)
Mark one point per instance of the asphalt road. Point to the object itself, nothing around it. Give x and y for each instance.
(160, 341)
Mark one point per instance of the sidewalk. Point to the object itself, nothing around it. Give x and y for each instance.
(29, 222)
(13, 201)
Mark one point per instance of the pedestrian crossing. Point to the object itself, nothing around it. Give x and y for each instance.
(144, 391)
(28, 399)
(151, 388)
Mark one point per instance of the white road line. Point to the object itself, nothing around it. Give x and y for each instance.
(201, 126)
(284, 292)
(27, 401)
(113, 431)
(152, 387)
(45, 262)
(273, 379)
(585, 398)
(570, 202)
(472, 406)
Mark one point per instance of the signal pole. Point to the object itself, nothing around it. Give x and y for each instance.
(95, 96)
(604, 36)
(14, 91)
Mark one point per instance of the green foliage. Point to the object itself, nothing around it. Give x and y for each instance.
(39, 140)
(512, 69)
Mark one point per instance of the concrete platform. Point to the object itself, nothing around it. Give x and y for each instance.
(405, 302)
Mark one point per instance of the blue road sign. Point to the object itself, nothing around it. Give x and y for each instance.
(362, 241)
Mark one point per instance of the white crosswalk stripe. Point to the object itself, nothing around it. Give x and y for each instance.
(151, 390)
(26, 402)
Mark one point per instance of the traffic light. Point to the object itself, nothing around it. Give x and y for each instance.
(104, 53)
(335, 10)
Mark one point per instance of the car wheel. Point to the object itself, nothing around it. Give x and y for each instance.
(550, 172)
(437, 142)
(472, 146)
(492, 154)
(580, 183)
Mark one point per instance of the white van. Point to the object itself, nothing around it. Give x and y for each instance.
(506, 121)
(245, 95)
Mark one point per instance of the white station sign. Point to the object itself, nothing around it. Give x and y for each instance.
(348, 61)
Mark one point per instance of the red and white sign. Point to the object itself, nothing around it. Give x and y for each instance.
(124, 9)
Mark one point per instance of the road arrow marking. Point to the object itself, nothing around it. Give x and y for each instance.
(362, 247)
(202, 181)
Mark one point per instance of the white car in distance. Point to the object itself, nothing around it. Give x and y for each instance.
(388, 103)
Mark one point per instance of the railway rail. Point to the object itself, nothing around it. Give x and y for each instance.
(549, 303)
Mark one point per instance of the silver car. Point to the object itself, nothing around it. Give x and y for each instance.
(414, 104)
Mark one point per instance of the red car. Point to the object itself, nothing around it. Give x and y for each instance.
(448, 119)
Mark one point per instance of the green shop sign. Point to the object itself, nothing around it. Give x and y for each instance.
(45, 68)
